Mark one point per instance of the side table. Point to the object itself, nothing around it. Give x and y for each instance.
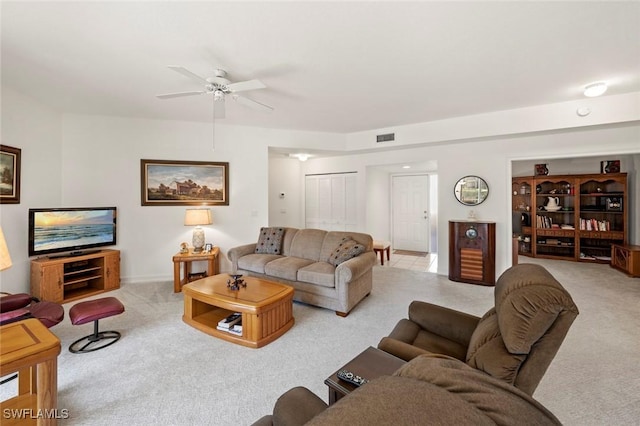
(370, 364)
(626, 257)
(29, 348)
(185, 259)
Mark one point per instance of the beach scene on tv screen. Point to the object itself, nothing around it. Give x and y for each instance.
(68, 229)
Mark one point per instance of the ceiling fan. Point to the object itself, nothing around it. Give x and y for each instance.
(219, 86)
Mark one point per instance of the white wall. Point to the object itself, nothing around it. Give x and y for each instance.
(285, 177)
(35, 129)
(101, 166)
(557, 117)
(78, 160)
(490, 159)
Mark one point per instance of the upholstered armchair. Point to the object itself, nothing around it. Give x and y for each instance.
(514, 341)
(16, 307)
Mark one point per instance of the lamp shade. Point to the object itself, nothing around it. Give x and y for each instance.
(196, 217)
(5, 258)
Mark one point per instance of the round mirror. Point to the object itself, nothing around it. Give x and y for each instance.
(471, 190)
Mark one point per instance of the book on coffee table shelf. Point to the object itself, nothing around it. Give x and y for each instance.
(236, 329)
(230, 321)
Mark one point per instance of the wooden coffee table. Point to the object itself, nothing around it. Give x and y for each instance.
(370, 364)
(266, 307)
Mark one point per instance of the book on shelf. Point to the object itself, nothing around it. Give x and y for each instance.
(594, 225)
(230, 320)
(236, 329)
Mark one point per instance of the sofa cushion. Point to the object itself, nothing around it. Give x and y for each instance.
(320, 273)
(333, 238)
(347, 249)
(528, 300)
(270, 241)
(256, 262)
(286, 267)
(488, 353)
(307, 243)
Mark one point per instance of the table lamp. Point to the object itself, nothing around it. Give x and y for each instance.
(5, 258)
(197, 217)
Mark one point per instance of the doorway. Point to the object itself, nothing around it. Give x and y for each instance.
(410, 213)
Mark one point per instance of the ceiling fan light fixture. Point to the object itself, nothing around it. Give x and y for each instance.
(595, 89)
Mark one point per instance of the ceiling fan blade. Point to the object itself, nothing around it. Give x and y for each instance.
(187, 73)
(246, 85)
(219, 110)
(252, 104)
(179, 94)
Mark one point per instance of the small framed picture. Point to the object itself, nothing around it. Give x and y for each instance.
(9, 174)
(208, 247)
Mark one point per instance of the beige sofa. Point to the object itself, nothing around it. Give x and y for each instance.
(428, 390)
(302, 258)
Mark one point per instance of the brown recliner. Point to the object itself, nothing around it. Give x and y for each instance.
(514, 341)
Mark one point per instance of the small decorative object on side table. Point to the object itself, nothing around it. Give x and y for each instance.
(236, 283)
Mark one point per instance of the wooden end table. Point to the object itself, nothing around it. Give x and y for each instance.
(266, 307)
(186, 258)
(29, 348)
(370, 364)
(626, 257)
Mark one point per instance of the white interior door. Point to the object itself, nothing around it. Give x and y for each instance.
(410, 212)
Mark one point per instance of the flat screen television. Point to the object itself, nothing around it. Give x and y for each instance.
(71, 230)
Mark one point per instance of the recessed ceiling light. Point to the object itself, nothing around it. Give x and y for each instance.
(595, 89)
(300, 156)
(406, 167)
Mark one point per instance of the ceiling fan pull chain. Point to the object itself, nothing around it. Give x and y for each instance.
(213, 126)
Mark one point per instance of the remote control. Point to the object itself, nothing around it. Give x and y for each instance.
(348, 376)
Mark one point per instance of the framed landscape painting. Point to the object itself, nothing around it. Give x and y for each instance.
(184, 183)
(9, 175)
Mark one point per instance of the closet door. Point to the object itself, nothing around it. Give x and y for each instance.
(330, 202)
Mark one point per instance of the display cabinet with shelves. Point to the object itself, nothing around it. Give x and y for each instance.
(555, 217)
(602, 220)
(521, 203)
(574, 217)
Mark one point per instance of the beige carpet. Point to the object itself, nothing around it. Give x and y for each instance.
(165, 372)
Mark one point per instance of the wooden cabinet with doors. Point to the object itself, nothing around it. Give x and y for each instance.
(575, 217)
(70, 278)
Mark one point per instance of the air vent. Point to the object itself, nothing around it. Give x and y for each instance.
(386, 138)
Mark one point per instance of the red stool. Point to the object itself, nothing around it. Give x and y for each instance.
(95, 310)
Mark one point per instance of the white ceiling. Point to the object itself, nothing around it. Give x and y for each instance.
(328, 66)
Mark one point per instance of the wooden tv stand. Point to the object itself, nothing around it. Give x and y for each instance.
(63, 279)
